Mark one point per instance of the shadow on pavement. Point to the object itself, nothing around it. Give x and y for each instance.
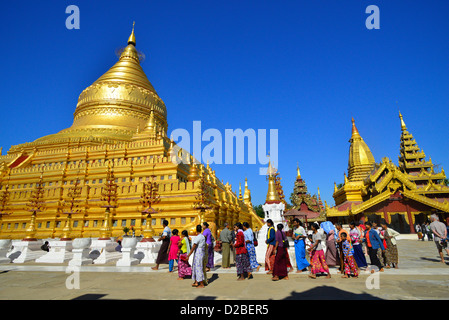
(213, 278)
(434, 260)
(329, 293)
(90, 296)
(206, 298)
(317, 293)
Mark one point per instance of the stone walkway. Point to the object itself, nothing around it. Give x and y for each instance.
(420, 276)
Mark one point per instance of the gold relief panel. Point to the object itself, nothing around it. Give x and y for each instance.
(116, 131)
(101, 92)
(111, 111)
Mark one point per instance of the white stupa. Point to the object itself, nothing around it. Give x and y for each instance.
(274, 210)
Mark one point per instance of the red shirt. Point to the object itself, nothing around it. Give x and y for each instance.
(367, 238)
(240, 246)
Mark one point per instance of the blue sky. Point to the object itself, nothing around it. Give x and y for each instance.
(302, 67)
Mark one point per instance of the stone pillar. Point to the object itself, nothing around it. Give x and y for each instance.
(26, 250)
(147, 251)
(128, 248)
(81, 252)
(106, 248)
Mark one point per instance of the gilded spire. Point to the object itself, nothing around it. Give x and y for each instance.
(355, 132)
(320, 202)
(298, 174)
(403, 127)
(247, 193)
(132, 37)
(240, 191)
(271, 170)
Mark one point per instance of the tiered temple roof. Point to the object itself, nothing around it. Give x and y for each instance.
(305, 205)
(412, 161)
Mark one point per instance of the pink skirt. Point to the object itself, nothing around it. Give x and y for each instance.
(318, 262)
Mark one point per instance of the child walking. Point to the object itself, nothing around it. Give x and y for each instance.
(350, 266)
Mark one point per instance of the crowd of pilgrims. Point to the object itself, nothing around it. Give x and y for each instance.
(316, 249)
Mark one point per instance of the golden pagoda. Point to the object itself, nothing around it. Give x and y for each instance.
(119, 121)
(360, 164)
(403, 195)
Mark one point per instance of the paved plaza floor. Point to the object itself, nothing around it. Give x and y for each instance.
(421, 275)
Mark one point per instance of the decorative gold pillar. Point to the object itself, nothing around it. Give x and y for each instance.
(148, 232)
(66, 232)
(106, 230)
(31, 231)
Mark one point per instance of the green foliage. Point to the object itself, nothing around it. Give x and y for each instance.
(259, 211)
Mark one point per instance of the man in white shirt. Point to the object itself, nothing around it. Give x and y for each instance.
(162, 257)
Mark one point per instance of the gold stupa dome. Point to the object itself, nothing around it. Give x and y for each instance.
(361, 160)
(118, 103)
